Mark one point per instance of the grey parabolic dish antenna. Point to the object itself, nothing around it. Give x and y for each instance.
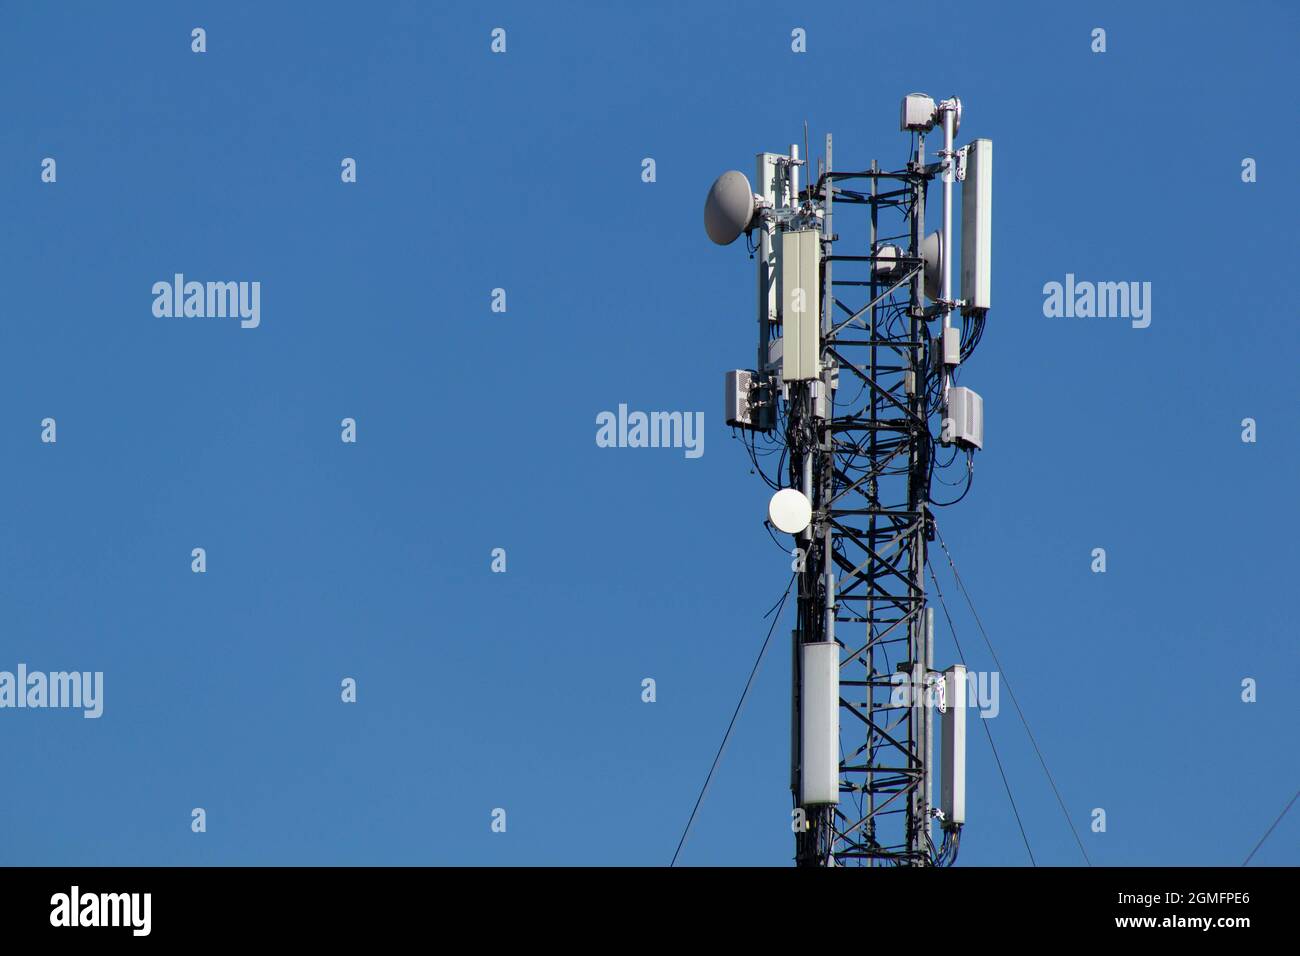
(729, 208)
(932, 254)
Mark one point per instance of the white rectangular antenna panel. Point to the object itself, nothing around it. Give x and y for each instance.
(769, 182)
(963, 424)
(977, 226)
(952, 792)
(799, 292)
(819, 724)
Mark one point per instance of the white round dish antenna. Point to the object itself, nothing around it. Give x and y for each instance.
(790, 510)
(729, 208)
(887, 260)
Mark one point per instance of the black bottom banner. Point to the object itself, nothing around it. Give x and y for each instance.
(337, 906)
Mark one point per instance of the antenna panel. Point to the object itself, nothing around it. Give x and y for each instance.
(819, 725)
(977, 226)
(799, 290)
(952, 793)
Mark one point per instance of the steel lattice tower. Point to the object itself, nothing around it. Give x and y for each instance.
(868, 556)
(864, 440)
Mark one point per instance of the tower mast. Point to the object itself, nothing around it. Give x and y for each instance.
(861, 400)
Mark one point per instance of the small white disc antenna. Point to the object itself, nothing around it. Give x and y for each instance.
(790, 510)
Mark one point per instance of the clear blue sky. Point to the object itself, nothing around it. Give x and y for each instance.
(476, 430)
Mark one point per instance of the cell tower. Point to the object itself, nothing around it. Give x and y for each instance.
(854, 393)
